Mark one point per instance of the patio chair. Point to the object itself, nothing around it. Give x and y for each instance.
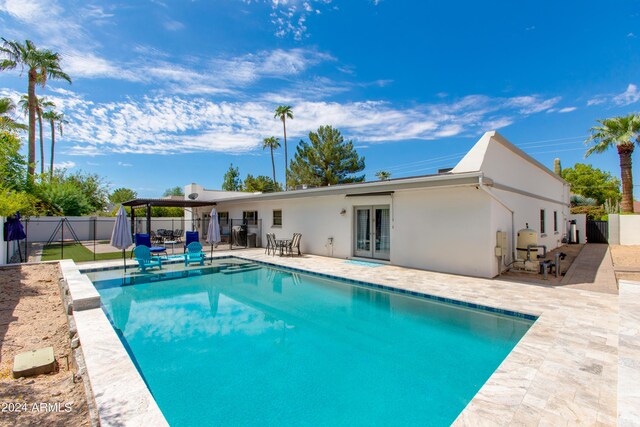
(191, 236)
(167, 234)
(177, 235)
(294, 244)
(271, 243)
(156, 238)
(143, 256)
(143, 239)
(194, 254)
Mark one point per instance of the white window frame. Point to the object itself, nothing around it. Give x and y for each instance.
(273, 220)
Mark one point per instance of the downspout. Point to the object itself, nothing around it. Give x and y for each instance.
(513, 222)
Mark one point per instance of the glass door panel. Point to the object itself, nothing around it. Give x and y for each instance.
(363, 232)
(372, 232)
(381, 248)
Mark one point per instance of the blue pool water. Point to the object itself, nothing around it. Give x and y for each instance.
(267, 346)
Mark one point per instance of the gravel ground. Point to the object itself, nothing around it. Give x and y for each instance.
(32, 317)
(626, 256)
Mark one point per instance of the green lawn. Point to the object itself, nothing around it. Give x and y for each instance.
(76, 252)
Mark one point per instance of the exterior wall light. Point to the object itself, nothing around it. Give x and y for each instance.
(343, 211)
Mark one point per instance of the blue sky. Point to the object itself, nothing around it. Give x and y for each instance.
(167, 93)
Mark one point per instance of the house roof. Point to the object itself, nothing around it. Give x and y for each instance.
(475, 157)
(373, 187)
(173, 203)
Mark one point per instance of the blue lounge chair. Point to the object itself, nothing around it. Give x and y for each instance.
(143, 239)
(194, 254)
(190, 236)
(143, 256)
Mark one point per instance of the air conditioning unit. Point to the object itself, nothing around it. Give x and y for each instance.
(304, 186)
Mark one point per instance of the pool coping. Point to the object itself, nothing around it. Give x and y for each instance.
(121, 395)
(560, 370)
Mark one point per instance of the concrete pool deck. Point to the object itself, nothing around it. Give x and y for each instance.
(564, 371)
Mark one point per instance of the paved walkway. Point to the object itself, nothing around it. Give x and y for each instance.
(592, 270)
(628, 360)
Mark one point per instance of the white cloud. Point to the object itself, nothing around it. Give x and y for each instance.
(596, 101)
(28, 10)
(164, 124)
(497, 123)
(631, 35)
(65, 165)
(533, 104)
(90, 65)
(630, 96)
(125, 165)
(290, 16)
(567, 109)
(173, 25)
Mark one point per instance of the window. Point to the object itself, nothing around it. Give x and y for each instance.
(223, 218)
(555, 221)
(250, 217)
(542, 229)
(277, 218)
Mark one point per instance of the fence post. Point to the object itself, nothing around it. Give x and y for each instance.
(26, 241)
(94, 237)
(62, 238)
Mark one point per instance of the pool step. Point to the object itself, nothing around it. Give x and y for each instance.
(240, 268)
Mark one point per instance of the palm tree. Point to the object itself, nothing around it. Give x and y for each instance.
(273, 143)
(7, 123)
(622, 133)
(284, 112)
(40, 64)
(41, 104)
(383, 175)
(54, 117)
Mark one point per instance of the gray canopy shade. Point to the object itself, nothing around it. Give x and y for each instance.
(121, 235)
(167, 203)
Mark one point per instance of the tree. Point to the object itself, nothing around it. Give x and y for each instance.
(175, 191)
(121, 195)
(7, 123)
(327, 160)
(92, 186)
(40, 64)
(16, 201)
(622, 133)
(260, 183)
(12, 163)
(76, 194)
(63, 198)
(41, 104)
(273, 143)
(231, 180)
(54, 117)
(592, 183)
(284, 112)
(383, 175)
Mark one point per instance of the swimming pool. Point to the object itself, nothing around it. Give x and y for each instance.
(242, 343)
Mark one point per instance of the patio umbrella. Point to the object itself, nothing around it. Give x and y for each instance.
(13, 230)
(213, 233)
(121, 235)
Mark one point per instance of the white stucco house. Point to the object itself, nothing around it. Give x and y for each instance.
(446, 222)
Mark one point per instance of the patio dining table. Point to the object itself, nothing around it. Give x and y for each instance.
(282, 243)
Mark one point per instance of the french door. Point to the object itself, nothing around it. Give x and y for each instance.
(372, 232)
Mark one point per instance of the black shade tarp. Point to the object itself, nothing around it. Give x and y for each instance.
(13, 230)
